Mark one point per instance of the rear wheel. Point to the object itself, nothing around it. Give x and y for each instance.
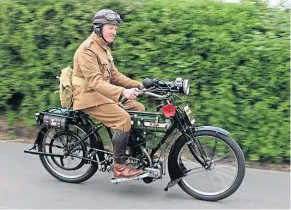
(223, 173)
(67, 169)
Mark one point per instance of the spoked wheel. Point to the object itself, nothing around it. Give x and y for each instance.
(58, 144)
(224, 170)
(70, 168)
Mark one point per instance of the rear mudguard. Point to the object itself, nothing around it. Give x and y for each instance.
(40, 135)
(174, 168)
(95, 142)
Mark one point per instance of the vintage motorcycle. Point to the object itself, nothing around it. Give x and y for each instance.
(203, 160)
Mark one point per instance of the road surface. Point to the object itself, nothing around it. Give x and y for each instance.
(24, 183)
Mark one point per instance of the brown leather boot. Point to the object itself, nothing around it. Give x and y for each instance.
(123, 171)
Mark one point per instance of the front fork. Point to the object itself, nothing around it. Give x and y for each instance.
(188, 134)
(191, 141)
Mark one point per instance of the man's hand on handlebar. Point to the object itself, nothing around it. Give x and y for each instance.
(133, 93)
(140, 86)
(130, 94)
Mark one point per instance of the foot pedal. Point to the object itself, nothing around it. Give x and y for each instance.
(117, 180)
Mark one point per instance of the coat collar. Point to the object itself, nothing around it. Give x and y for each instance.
(100, 41)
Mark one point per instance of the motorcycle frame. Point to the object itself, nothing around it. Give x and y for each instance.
(178, 125)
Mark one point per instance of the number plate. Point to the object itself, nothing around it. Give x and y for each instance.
(189, 114)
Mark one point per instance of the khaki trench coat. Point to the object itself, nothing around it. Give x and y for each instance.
(93, 62)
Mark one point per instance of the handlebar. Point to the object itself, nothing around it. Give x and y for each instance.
(179, 85)
(157, 95)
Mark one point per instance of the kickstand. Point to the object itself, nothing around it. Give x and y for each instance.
(34, 146)
(172, 183)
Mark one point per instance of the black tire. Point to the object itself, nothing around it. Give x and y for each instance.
(87, 175)
(173, 160)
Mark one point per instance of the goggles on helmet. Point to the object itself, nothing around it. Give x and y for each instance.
(111, 16)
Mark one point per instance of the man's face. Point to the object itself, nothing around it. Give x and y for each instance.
(109, 32)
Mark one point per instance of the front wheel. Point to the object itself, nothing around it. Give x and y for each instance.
(222, 173)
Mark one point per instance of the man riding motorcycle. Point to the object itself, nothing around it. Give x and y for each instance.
(98, 87)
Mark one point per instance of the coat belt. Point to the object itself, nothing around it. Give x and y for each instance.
(80, 81)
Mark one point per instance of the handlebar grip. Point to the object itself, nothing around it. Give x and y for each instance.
(122, 101)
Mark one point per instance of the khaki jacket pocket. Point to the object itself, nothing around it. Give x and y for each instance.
(105, 69)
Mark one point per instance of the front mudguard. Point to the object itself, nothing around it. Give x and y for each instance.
(212, 128)
(175, 168)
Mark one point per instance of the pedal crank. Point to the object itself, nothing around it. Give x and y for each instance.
(153, 172)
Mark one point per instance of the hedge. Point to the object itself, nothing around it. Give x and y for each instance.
(236, 56)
